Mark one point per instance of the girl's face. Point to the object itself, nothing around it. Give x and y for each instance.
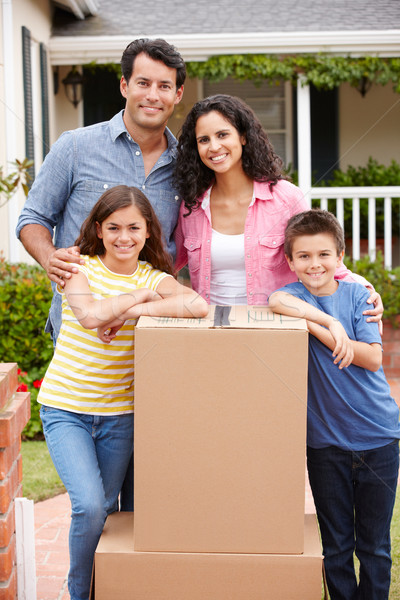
(219, 143)
(124, 234)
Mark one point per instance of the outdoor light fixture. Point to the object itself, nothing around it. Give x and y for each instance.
(364, 85)
(73, 84)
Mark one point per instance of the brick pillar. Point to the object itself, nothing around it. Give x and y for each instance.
(391, 349)
(15, 411)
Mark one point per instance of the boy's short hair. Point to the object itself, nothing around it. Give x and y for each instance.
(312, 222)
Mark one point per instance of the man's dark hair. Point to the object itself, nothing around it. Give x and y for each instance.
(157, 49)
(312, 222)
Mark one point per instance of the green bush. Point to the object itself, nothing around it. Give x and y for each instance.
(25, 297)
(385, 281)
(373, 174)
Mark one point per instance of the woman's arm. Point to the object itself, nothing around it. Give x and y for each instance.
(374, 314)
(286, 304)
(92, 313)
(367, 356)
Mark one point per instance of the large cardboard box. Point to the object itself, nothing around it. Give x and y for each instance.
(121, 573)
(220, 433)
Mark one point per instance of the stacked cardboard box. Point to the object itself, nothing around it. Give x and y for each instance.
(220, 431)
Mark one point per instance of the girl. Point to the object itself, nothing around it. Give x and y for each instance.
(236, 205)
(87, 392)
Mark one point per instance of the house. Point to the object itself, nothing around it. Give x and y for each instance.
(313, 130)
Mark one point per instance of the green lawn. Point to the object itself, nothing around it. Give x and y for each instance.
(40, 481)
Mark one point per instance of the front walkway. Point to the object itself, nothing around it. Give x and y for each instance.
(51, 537)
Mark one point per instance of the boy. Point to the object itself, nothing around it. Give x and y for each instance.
(352, 421)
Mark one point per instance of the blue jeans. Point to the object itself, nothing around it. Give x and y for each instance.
(91, 455)
(354, 495)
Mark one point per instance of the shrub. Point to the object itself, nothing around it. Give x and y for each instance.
(373, 174)
(25, 297)
(385, 281)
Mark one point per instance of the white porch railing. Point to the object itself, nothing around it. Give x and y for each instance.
(390, 194)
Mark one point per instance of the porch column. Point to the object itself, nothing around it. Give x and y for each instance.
(10, 122)
(304, 136)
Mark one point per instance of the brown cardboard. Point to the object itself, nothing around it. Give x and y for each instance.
(220, 433)
(121, 572)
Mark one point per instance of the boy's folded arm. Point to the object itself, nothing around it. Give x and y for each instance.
(284, 303)
(367, 356)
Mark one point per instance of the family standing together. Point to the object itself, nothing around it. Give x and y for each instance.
(129, 206)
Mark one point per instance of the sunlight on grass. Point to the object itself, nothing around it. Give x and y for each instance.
(40, 479)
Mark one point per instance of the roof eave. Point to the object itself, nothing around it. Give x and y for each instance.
(67, 50)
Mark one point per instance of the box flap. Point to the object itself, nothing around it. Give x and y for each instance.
(229, 317)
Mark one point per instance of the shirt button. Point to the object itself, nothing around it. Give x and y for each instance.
(176, 197)
(206, 277)
(143, 187)
(137, 153)
(206, 295)
(208, 241)
(274, 243)
(105, 186)
(249, 274)
(129, 137)
(251, 293)
(206, 259)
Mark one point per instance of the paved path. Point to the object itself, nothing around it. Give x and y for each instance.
(51, 538)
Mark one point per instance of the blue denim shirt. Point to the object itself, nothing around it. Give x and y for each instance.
(80, 166)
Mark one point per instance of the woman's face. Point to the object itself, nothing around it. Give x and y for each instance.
(219, 143)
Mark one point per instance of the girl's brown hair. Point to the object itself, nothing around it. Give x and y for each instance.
(113, 199)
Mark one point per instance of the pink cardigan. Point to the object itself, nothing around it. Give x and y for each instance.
(264, 234)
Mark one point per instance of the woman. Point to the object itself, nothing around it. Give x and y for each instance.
(236, 204)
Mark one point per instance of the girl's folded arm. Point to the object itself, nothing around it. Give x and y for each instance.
(92, 313)
(175, 300)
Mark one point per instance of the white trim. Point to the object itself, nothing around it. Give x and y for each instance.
(304, 137)
(10, 121)
(69, 50)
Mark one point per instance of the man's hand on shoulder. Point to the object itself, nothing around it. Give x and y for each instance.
(60, 264)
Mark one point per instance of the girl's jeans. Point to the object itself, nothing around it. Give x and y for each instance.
(354, 494)
(91, 454)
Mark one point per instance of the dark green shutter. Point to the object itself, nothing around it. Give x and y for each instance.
(27, 78)
(45, 100)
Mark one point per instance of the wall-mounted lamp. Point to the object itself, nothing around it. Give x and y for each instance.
(73, 84)
(364, 85)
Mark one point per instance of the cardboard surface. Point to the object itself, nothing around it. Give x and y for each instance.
(220, 433)
(121, 572)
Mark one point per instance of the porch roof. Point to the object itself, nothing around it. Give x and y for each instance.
(200, 29)
(169, 17)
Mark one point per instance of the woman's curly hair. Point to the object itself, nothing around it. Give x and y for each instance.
(259, 160)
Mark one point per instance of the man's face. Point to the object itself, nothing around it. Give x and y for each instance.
(151, 94)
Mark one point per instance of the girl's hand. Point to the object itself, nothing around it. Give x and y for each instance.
(106, 333)
(343, 350)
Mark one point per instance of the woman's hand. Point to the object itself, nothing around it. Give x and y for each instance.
(375, 313)
(343, 350)
(106, 333)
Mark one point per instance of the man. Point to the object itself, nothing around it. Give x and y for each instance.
(134, 148)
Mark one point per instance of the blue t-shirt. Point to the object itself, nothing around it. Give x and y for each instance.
(349, 408)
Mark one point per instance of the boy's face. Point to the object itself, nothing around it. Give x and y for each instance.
(314, 260)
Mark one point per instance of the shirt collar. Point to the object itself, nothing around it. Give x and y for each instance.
(117, 127)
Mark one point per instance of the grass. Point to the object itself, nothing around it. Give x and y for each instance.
(40, 481)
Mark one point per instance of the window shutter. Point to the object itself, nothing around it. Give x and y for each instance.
(45, 100)
(27, 78)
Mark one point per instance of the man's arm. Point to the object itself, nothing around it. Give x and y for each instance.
(57, 262)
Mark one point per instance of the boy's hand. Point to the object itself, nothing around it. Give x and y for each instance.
(343, 351)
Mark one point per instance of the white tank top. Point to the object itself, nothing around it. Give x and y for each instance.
(228, 272)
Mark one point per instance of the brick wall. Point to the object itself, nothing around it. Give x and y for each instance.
(14, 414)
(391, 349)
